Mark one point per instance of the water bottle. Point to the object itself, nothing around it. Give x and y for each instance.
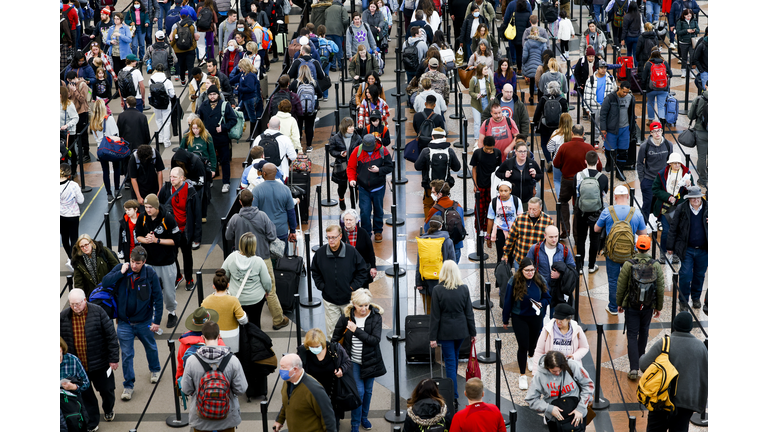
(149, 65)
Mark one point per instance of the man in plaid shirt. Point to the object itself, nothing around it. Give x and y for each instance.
(526, 231)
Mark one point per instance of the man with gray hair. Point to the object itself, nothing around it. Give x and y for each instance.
(90, 336)
(278, 148)
(306, 405)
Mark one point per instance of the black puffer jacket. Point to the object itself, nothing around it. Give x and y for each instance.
(565, 284)
(523, 185)
(425, 413)
(105, 261)
(372, 364)
(100, 337)
(336, 144)
(680, 228)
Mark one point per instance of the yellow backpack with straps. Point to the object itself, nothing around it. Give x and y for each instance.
(430, 257)
(658, 382)
(620, 243)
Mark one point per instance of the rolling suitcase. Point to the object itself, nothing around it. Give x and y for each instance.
(417, 350)
(445, 387)
(288, 271)
(298, 182)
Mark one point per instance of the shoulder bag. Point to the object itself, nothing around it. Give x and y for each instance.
(566, 404)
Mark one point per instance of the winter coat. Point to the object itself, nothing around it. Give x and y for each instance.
(541, 394)
(652, 158)
(632, 26)
(677, 9)
(105, 262)
(659, 188)
(601, 43)
(423, 163)
(609, 113)
(519, 116)
(645, 43)
(340, 358)
(353, 33)
(318, 12)
(680, 228)
(372, 365)
(337, 276)
(145, 289)
(579, 343)
(425, 413)
(701, 55)
(544, 266)
(375, 20)
(370, 65)
(336, 146)
(258, 283)
(448, 252)
(558, 77)
(365, 248)
(474, 91)
(101, 340)
(193, 229)
(250, 219)
(625, 280)
(533, 50)
(360, 161)
(336, 19)
(645, 79)
(681, 30)
(451, 317)
(523, 185)
(539, 113)
(590, 91)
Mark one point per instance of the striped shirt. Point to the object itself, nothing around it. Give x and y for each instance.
(78, 332)
(71, 369)
(357, 344)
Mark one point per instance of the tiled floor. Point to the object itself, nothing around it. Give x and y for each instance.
(593, 287)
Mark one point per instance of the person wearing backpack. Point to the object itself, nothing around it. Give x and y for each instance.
(584, 220)
(278, 148)
(426, 409)
(434, 247)
(425, 121)
(451, 213)
(656, 78)
(690, 357)
(593, 99)
(145, 169)
(359, 33)
(74, 381)
(162, 95)
(182, 39)
(308, 90)
(689, 239)
(130, 82)
(219, 117)
(436, 163)
(615, 126)
(160, 53)
(283, 92)
(306, 58)
(502, 128)
(669, 188)
(640, 296)
(413, 51)
(652, 159)
(368, 166)
(699, 112)
(328, 51)
(621, 223)
(180, 197)
(522, 172)
(193, 338)
(646, 43)
(548, 251)
(546, 118)
(213, 392)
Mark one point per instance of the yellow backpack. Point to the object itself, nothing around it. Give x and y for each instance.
(430, 257)
(658, 382)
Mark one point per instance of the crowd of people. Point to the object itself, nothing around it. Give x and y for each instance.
(223, 55)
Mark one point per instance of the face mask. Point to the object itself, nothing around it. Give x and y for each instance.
(316, 350)
(136, 6)
(475, 14)
(434, 197)
(240, 28)
(285, 375)
(231, 48)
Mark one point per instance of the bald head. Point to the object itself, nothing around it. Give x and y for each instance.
(507, 92)
(551, 234)
(177, 177)
(269, 171)
(77, 301)
(274, 123)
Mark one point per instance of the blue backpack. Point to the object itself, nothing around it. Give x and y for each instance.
(105, 297)
(311, 65)
(671, 105)
(192, 350)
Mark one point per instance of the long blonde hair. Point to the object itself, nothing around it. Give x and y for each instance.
(565, 128)
(203, 133)
(99, 115)
(305, 75)
(64, 97)
(245, 66)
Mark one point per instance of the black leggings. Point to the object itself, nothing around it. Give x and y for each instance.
(186, 252)
(105, 176)
(527, 330)
(342, 191)
(307, 126)
(254, 311)
(69, 227)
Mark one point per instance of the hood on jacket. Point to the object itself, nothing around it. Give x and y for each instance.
(242, 262)
(283, 115)
(249, 213)
(656, 60)
(212, 354)
(650, 34)
(537, 38)
(427, 412)
(414, 40)
(439, 144)
(325, 3)
(192, 338)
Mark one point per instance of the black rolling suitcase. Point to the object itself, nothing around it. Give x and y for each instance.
(298, 182)
(417, 350)
(288, 271)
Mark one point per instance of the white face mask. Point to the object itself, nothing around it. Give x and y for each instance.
(316, 350)
(231, 48)
(136, 6)
(240, 28)
(434, 197)
(475, 14)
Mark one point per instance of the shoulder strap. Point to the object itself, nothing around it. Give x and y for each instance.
(628, 219)
(240, 291)
(224, 362)
(665, 344)
(613, 214)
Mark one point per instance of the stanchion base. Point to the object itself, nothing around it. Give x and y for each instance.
(391, 335)
(309, 304)
(399, 222)
(172, 422)
(328, 203)
(86, 189)
(486, 357)
(402, 181)
(601, 404)
(393, 417)
(477, 304)
(315, 248)
(458, 144)
(700, 420)
(391, 272)
(469, 212)
(475, 257)
(455, 116)
(463, 175)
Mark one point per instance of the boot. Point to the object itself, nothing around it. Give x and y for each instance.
(610, 155)
(663, 124)
(342, 204)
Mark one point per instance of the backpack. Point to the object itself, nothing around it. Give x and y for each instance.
(160, 55)
(266, 38)
(104, 297)
(410, 56)
(672, 107)
(306, 94)
(311, 65)
(113, 149)
(73, 411)
(550, 11)
(293, 48)
(158, 96)
(642, 286)
(425, 131)
(536, 254)
(213, 392)
(237, 130)
(618, 15)
(452, 222)
(620, 243)
(552, 112)
(439, 161)
(659, 382)
(590, 198)
(703, 118)
(271, 149)
(125, 83)
(185, 40)
(278, 97)
(205, 19)
(377, 57)
(192, 350)
(659, 79)
(325, 54)
(430, 257)
(515, 207)
(438, 427)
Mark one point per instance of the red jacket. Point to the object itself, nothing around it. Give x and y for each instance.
(479, 417)
(71, 15)
(571, 157)
(185, 341)
(357, 168)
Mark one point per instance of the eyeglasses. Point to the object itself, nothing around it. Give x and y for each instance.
(332, 237)
(529, 270)
(85, 246)
(521, 151)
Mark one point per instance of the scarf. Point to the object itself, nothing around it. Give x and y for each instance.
(90, 264)
(352, 236)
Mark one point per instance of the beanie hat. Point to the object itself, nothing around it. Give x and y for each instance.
(683, 322)
(152, 200)
(563, 311)
(590, 51)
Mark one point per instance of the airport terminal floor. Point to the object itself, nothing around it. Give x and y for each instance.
(607, 357)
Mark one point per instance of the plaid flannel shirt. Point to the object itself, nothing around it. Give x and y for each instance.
(106, 63)
(78, 332)
(525, 234)
(352, 236)
(71, 369)
(590, 92)
(364, 113)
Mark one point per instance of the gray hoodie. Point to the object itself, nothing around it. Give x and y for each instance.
(545, 385)
(258, 283)
(250, 219)
(421, 46)
(360, 36)
(194, 371)
(652, 158)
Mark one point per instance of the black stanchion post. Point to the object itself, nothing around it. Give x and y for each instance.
(345, 75)
(631, 196)
(264, 405)
(478, 255)
(578, 106)
(543, 165)
(499, 368)
(687, 84)
(328, 201)
(632, 423)
(107, 230)
(226, 248)
(687, 160)
(309, 302)
(338, 101)
(399, 180)
(456, 97)
(394, 220)
(395, 332)
(558, 222)
(612, 161)
(600, 402)
(592, 129)
(391, 271)
(489, 356)
(199, 287)
(483, 303)
(396, 415)
(513, 420)
(468, 211)
(70, 282)
(297, 317)
(459, 143)
(675, 285)
(177, 420)
(83, 187)
(580, 264)
(320, 232)
(642, 119)
(466, 172)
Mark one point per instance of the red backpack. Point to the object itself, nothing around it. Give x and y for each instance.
(659, 76)
(213, 391)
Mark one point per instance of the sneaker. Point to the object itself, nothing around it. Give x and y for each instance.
(378, 237)
(190, 286)
(110, 199)
(705, 309)
(633, 374)
(119, 194)
(366, 424)
(522, 382)
(593, 269)
(166, 145)
(354, 429)
(69, 265)
(325, 99)
(195, 245)
(171, 321)
(308, 150)
(697, 304)
(673, 46)
(285, 323)
(225, 188)
(127, 185)
(607, 309)
(109, 416)
(183, 83)
(93, 429)
(178, 279)
(87, 158)
(154, 377)
(529, 363)
(127, 394)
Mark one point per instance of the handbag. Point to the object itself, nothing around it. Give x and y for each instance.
(566, 404)
(460, 56)
(473, 366)
(339, 169)
(411, 153)
(511, 30)
(346, 397)
(465, 75)
(325, 83)
(301, 164)
(113, 149)
(341, 340)
(276, 248)
(447, 55)
(687, 138)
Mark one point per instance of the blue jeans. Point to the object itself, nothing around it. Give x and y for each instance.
(458, 254)
(249, 109)
(375, 200)
(126, 333)
(338, 58)
(704, 78)
(620, 140)
(652, 11)
(598, 12)
(451, 356)
(692, 272)
(138, 43)
(664, 233)
(163, 12)
(631, 43)
(557, 175)
(365, 390)
(613, 279)
(659, 98)
(140, 104)
(646, 186)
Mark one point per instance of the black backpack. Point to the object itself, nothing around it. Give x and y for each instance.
(73, 411)
(271, 148)
(125, 83)
(439, 164)
(452, 222)
(160, 55)
(425, 131)
(185, 39)
(642, 285)
(552, 112)
(205, 19)
(411, 56)
(550, 11)
(158, 96)
(278, 97)
(439, 427)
